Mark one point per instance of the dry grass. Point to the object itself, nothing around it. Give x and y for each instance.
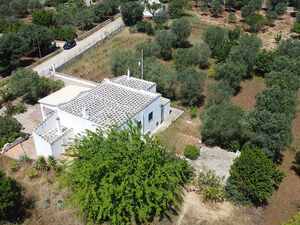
(36, 190)
(95, 64)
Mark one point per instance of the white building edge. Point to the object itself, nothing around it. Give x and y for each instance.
(75, 109)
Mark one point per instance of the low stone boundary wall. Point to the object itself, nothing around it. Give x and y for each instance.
(8, 146)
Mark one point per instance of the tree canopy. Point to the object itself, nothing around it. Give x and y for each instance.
(123, 176)
(132, 12)
(255, 175)
(223, 125)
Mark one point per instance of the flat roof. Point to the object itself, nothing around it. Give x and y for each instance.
(109, 103)
(63, 95)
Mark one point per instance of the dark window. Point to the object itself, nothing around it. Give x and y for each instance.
(150, 116)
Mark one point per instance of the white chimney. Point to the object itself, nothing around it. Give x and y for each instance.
(85, 113)
(128, 73)
(59, 129)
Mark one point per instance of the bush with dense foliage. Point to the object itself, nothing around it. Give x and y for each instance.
(289, 48)
(121, 60)
(144, 27)
(9, 130)
(213, 35)
(181, 28)
(223, 126)
(219, 92)
(131, 12)
(191, 152)
(216, 8)
(165, 40)
(64, 33)
(12, 47)
(9, 197)
(285, 80)
(27, 83)
(269, 131)
(176, 8)
(254, 174)
(232, 73)
(222, 50)
(256, 22)
(202, 53)
(276, 100)
(296, 28)
(44, 18)
(192, 86)
(211, 186)
(264, 61)
(150, 48)
(161, 17)
(30, 33)
(183, 58)
(133, 177)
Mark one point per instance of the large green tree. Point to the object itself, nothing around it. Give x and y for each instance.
(122, 176)
(213, 35)
(9, 197)
(277, 100)
(223, 125)
(181, 29)
(132, 12)
(12, 47)
(219, 92)
(269, 131)
(255, 175)
(192, 86)
(35, 36)
(165, 41)
(231, 72)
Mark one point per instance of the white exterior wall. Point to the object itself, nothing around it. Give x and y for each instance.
(166, 110)
(152, 89)
(43, 148)
(142, 116)
(78, 124)
(57, 146)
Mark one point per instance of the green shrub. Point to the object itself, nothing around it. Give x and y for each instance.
(9, 130)
(144, 27)
(232, 18)
(264, 61)
(44, 18)
(193, 112)
(32, 173)
(222, 50)
(296, 28)
(295, 220)
(256, 22)
(211, 186)
(213, 35)
(131, 12)
(41, 164)
(6, 93)
(13, 166)
(9, 197)
(191, 152)
(219, 92)
(256, 175)
(64, 33)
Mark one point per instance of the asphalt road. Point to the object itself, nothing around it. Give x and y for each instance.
(66, 55)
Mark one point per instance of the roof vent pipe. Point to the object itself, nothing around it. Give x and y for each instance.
(85, 113)
(59, 129)
(128, 73)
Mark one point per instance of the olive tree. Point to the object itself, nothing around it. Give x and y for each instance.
(192, 86)
(132, 12)
(165, 41)
(181, 28)
(269, 131)
(222, 125)
(213, 35)
(218, 93)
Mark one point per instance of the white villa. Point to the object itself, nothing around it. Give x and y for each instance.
(74, 109)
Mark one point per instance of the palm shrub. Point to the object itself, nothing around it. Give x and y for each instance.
(41, 164)
(122, 176)
(191, 152)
